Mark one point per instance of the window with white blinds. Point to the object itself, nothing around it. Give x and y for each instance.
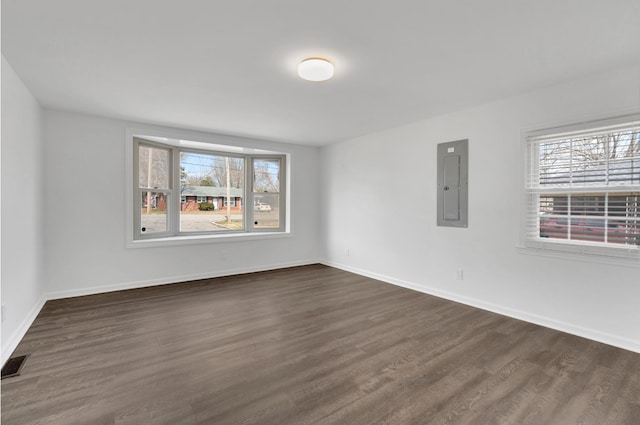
(583, 188)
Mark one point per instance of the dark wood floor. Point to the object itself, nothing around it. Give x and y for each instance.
(308, 345)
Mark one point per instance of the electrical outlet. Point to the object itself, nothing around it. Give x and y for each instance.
(459, 274)
(348, 252)
(3, 313)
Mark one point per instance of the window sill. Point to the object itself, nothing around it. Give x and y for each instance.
(206, 239)
(626, 257)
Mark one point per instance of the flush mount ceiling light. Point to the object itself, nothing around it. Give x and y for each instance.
(315, 69)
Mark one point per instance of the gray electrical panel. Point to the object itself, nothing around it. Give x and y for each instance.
(453, 183)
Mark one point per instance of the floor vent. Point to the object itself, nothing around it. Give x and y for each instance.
(13, 366)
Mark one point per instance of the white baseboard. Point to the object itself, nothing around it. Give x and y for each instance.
(19, 333)
(605, 338)
(173, 279)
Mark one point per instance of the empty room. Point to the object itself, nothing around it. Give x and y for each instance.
(288, 212)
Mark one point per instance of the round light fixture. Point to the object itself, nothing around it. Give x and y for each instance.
(315, 69)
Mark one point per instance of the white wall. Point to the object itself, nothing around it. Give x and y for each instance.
(22, 208)
(380, 216)
(85, 217)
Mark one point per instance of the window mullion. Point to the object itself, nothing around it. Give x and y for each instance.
(569, 216)
(607, 150)
(174, 208)
(606, 217)
(571, 163)
(248, 194)
(282, 199)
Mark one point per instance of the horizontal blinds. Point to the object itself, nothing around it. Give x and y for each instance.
(584, 186)
(609, 161)
(602, 219)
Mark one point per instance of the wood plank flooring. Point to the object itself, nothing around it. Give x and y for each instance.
(308, 345)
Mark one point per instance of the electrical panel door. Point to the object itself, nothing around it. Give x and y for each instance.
(453, 182)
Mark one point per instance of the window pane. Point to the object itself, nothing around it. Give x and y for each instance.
(266, 210)
(587, 205)
(594, 218)
(588, 229)
(624, 154)
(213, 189)
(624, 219)
(587, 218)
(266, 175)
(589, 158)
(153, 167)
(555, 163)
(266, 198)
(153, 215)
(605, 159)
(553, 217)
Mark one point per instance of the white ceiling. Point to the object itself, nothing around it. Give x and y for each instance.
(230, 66)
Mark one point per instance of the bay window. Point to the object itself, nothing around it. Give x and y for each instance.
(184, 189)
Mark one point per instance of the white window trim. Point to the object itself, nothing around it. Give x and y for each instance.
(576, 250)
(211, 144)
